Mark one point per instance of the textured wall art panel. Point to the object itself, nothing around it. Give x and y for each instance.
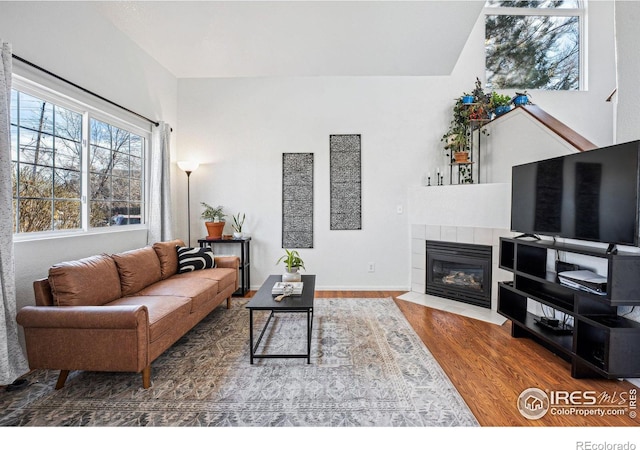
(297, 200)
(345, 180)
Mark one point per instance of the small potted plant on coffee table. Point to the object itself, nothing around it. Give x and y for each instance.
(293, 263)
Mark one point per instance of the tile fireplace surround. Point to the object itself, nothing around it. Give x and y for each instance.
(469, 214)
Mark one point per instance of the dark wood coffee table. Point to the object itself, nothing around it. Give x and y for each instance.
(263, 300)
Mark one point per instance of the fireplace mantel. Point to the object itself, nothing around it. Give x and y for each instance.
(470, 205)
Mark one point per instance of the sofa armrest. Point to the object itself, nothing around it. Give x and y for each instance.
(95, 338)
(230, 262)
(87, 317)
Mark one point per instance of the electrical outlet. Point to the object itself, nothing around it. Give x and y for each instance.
(372, 267)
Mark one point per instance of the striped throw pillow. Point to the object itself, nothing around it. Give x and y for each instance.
(190, 259)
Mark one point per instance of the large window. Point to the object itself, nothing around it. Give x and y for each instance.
(534, 44)
(72, 170)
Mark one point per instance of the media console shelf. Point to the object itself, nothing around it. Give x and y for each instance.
(601, 343)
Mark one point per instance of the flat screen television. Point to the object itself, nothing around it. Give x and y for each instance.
(591, 195)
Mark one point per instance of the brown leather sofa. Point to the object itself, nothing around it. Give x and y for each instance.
(119, 312)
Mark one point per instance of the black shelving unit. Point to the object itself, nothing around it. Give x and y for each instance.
(244, 284)
(600, 343)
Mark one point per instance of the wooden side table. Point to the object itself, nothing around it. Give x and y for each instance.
(245, 260)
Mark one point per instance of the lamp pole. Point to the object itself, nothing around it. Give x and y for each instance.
(188, 167)
(188, 172)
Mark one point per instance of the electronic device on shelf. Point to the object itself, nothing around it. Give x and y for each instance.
(584, 280)
(554, 325)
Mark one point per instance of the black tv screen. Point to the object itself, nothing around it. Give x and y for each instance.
(591, 195)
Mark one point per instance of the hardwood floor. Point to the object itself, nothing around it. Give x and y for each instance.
(490, 369)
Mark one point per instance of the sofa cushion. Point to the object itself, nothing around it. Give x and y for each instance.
(137, 268)
(224, 276)
(91, 281)
(190, 259)
(201, 291)
(168, 256)
(164, 312)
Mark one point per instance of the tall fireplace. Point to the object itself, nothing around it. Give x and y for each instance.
(460, 272)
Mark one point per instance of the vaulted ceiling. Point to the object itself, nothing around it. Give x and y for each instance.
(204, 39)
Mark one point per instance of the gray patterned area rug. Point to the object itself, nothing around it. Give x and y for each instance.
(368, 368)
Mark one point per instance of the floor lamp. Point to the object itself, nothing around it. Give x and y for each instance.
(188, 167)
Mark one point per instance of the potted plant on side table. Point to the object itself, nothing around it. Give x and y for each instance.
(293, 263)
(213, 220)
(237, 225)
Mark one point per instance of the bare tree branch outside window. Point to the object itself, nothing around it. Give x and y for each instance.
(115, 166)
(46, 149)
(47, 163)
(532, 51)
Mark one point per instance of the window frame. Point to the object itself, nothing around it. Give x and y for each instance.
(77, 103)
(582, 15)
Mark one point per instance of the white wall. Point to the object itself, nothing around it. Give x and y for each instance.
(628, 96)
(241, 127)
(517, 138)
(71, 40)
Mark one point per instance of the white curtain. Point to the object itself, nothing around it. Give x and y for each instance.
(160, 226)
(12, 360)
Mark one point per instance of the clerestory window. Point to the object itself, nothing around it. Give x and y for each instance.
(74, 169)
(535, 44)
